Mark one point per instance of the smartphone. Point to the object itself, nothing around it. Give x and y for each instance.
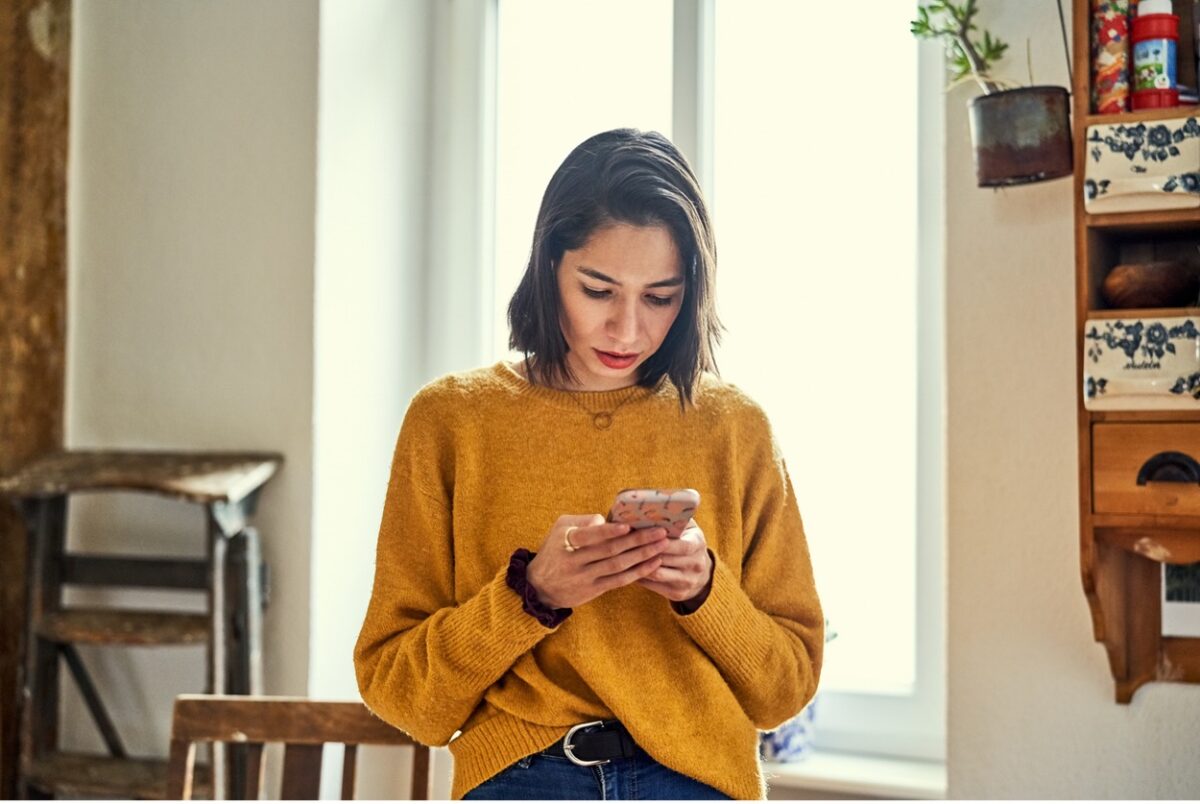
(649, 508)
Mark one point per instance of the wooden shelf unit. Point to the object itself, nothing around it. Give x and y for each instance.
(1122, 553)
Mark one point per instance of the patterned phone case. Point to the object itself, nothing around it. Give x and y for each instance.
(648, 508)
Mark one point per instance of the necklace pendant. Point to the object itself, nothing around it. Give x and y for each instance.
(602, 420)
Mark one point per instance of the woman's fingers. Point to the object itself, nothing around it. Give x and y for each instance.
(628, 558)
(634, 574)
(682, 554)
(670, 583)
(591, 532)
(685, 570)
(619, 542)
(669, 577)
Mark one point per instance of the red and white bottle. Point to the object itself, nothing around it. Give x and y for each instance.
(1155, 42)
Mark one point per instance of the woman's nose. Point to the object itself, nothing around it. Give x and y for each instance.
(623, 324)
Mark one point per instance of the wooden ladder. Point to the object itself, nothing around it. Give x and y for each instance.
(231, 573)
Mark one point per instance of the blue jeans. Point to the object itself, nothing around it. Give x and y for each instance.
(551, 777)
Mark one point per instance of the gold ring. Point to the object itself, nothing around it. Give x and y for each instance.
(570, 548)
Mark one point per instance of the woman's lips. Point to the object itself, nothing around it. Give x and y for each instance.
(616, 361)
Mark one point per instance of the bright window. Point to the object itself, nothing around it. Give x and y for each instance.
(815, 181)
(566, 70)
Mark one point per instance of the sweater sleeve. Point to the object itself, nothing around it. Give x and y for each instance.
(423, 660)
(763, 626)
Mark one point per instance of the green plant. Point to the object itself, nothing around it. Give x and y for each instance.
(830, 634)
(954, 24)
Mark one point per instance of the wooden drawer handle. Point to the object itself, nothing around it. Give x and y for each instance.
(1169, 467)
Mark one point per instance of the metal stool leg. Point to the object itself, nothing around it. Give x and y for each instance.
(47, 523)
(235, 648)
(250, 613)
(244, 597)
(218, 546)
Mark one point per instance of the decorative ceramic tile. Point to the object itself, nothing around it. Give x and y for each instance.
(1142, 364)
(1152, 165)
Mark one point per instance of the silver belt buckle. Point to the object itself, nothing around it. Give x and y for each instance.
(568, 745)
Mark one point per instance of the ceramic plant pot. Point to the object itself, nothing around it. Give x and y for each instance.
(1021, 136)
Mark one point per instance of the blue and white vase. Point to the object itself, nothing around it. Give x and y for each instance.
(793, 740)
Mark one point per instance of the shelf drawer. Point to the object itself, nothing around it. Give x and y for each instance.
(1146, 469)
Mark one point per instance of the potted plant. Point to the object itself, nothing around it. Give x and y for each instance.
(1020, 134)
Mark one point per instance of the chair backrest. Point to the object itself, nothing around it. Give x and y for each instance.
(301, 724)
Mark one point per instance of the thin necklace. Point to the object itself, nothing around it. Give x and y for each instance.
(603, 419)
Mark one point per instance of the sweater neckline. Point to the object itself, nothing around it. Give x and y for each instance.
(593, 402)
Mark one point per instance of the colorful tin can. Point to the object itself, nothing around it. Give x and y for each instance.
(1110, 56)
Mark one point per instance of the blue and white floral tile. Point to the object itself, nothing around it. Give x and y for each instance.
(1143, 166)
(1141, 364)
(793, 740)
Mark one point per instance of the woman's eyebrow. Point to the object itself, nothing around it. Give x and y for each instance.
(662, 283)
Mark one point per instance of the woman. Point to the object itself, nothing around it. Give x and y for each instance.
(611, 663)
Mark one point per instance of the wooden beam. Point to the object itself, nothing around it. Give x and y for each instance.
(35, 60)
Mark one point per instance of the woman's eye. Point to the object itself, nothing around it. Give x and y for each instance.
(660, 301)
(596, 294)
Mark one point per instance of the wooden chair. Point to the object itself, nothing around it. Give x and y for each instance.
(301, 724)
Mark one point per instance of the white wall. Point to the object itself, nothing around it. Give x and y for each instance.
(192, 197)
(372, 173)
(249, 225)
(1031, 712)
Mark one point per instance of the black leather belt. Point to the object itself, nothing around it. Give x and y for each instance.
(594, 743)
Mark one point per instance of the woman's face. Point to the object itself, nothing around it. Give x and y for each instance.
(620, 293)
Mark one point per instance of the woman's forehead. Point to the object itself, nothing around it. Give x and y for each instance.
(623, 252)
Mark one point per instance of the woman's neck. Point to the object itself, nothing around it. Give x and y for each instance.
(520, 367)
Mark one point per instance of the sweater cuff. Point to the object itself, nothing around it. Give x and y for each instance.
(498, 628)
(729, 627)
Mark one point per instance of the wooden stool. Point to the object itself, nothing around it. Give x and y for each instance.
(231, 573)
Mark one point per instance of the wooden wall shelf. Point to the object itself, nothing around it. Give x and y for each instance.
(1140, 116)
(1160, 523)
(1122, 554)
(1159, 312)
(1168, 220)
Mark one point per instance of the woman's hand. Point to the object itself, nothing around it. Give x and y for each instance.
(686, 569)
(606, 556)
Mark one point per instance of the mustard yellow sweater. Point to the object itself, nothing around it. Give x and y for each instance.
(485, 463)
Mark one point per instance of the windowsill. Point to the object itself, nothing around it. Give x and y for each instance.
(860, 775)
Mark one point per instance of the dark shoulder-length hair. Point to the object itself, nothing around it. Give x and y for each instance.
(637, 178)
